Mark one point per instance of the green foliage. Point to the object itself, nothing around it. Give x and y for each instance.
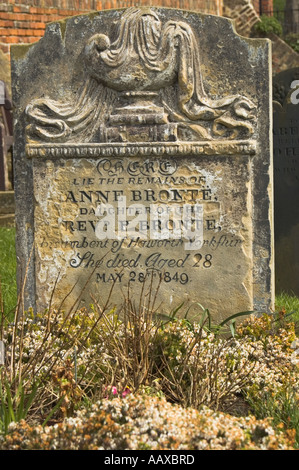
(204, 319)
(8, 286)
(14, 404)
(279, 4)
(289, 305)
(268, 24)
(292, 40)
(281, 407)
(288, 302)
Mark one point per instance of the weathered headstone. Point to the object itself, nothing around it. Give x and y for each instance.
(286, 180)
(143, 153)
(6, 137)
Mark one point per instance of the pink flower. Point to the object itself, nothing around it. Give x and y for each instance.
(126, 392)
(115, 392)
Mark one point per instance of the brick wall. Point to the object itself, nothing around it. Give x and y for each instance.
(264, 7)
(243, 13)
(24, 21)
(283, 56)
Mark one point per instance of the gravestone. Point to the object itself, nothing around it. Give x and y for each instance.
(286, 180)
(143, 164)
(6, 137)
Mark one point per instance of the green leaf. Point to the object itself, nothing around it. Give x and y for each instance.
(52, 411)
(30, 399)
(205, 315)
(176, 310)
(19, 404)
(232, 327)
(10, 413)
(236, 315)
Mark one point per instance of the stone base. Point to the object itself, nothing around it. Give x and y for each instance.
(7, 220)
(142, 133)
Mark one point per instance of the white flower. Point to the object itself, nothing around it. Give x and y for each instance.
(295, 358)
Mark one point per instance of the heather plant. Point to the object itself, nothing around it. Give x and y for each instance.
(43, 349)
(139, 422)
(198, 368)
(91, 354)
(59, 364)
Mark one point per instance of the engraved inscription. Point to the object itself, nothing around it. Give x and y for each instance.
(127, 254)
(286, 183)
(286, 148)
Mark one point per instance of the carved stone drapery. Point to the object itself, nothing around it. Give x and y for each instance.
(146, 85)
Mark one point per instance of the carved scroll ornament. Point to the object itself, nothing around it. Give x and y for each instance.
(145, 85)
